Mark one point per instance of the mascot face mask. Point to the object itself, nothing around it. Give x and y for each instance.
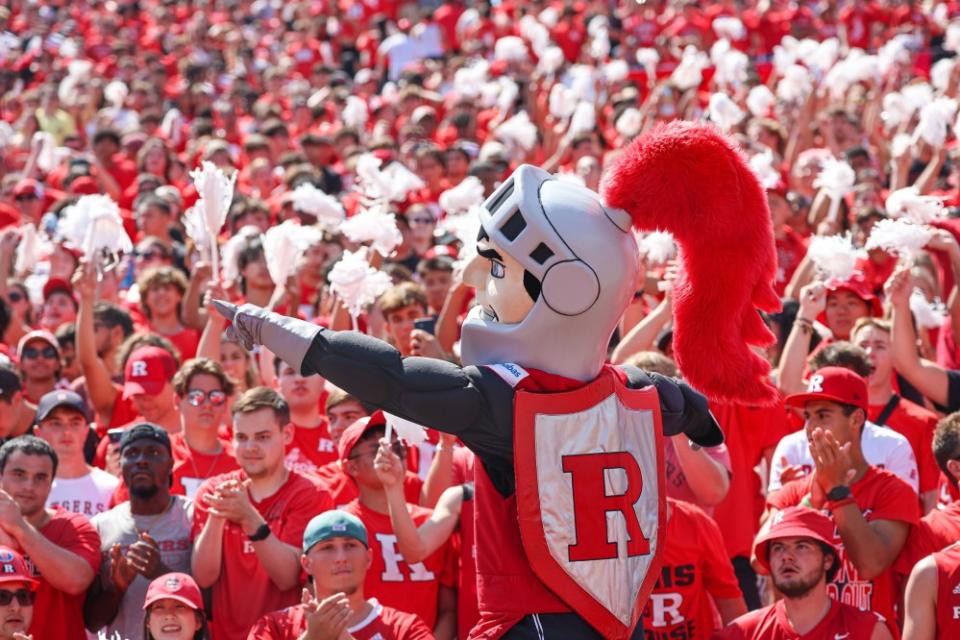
(555, 271)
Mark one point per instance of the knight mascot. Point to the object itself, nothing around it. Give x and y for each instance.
(570, 492)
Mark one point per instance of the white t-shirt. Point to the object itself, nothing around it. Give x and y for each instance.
(89, 494)
(882, 447)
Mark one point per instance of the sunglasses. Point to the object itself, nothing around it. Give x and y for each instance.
(397, 447)
(14, 296)
(24, 598)
(25, 197)
(30, 353)
(151, 255)
(197, 397)
(419, 221)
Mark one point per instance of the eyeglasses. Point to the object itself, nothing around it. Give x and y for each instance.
(29, 353)
(419, 221)
(14, 296)
(197, 397)
(397, 447)
(24, 598)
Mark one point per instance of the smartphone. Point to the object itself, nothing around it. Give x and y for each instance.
(115, 435)
(426, 324)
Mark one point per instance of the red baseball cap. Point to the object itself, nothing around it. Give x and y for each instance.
(84, 185)
(13, 568)
(54, 285)
(39, 334)
(859, 287)
(835, 384)
(28, 187)
(148, 370)
(174, 586)
(795, 522)
(352, 434)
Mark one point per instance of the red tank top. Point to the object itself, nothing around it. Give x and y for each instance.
(503, 571)
(948, 591)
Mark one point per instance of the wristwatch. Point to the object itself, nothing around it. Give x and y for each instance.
(262, 533)
(839, 493)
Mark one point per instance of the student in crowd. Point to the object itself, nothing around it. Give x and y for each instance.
(18, 592)
(173, 609)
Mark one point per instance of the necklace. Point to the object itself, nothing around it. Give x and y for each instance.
(210, 468)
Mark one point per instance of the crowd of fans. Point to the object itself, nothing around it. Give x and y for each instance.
(159, 481)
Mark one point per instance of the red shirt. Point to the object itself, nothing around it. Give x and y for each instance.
(771, 623)
(790, 251)
(57, 614)
(244, 591)
(916, 424)
(310, 449)
(948, 598)
(384, 623)
(748, 431)
(881, 495)
(468, 610)
(936, 530)
(191, 468)
(394, 581)
(695, 567)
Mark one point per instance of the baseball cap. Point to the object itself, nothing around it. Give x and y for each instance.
(352, 434)
(27, 187)
(148, 370)
(60, 398)
(333, 524)
(13, 568)
(54, 285)
(795, 522)
(835, 384)
(145, 431)
(39, 334)
(859, 287)
(175, 586)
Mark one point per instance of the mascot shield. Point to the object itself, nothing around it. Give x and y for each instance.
(591, 497)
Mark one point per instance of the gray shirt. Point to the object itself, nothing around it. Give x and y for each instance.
(171, 530)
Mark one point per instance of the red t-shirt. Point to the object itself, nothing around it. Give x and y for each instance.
(244, 591)
(881, 495)
(771, 623)
(916, 424)
(57, 614)
(391, 579)
(748, 432)
(935, 531)
(343, 489)
(383, 623)
(695, 567)
(191, 468)
(790, 251)
(948, 598)
(310, 449)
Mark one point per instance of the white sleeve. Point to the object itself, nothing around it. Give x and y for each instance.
(794, 448)
(901, 461)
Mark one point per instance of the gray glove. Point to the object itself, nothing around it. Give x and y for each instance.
(288, 338)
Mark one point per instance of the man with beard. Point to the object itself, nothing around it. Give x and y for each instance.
(798, 553)
(62, 546)
(337, 556)
(248, 524)
(141, 539)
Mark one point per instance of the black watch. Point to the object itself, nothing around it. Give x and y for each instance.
(262, 533)
(839, 493)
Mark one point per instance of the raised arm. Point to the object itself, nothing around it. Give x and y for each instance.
(99, 384)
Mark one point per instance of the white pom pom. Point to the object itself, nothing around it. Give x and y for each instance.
(733, 67)
(468, 79)
(899, 236)
(518, 132)
(216, 193)
(93, 225)
(917, 95)
(355, 113)
(689, 73)
(535, 33)
(648, 59)
(760, 101)
(510, 49)
(410, 432)
(508, 94)
(551, 60)
(795, 85)
(116, 93)
(892, 53)
(616, 71)
(459, 199)
(357, 283)
(549, 16)
(836, 177)
(28, 249)
(376, 226)
(940, 73)
(196, 229)
(896, 110)
(563, 102)
(929, 315)
(729, 27)
(232, 249)
(834, 256)
(281, 250)
(658, 247)
(629, 123)
(762, 166)
(935, 119)
(783, 58)
(824, 54)
(584, 119)
(327, 209)
(901, 144)
(464, 226)
(951, 40)
(724, 112)
(907, 203)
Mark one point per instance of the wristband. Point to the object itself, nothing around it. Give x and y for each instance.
(833, 505)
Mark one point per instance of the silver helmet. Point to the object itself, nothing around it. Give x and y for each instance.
(586, 259)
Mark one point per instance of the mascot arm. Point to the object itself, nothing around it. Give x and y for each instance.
(682, 408)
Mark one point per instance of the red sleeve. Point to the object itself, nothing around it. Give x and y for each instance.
(306, 503)
(729, 632)
(897, 501)
(414, 628)
(448, 577)
(265, 629)
(200, 513)
(718, 576)
(81, 538)
(791, 494)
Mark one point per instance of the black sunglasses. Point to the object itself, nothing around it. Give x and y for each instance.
(24, 197)
(30, 353)
(14, 296)
(24, 598)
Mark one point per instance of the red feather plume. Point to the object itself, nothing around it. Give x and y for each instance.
(689, 179)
